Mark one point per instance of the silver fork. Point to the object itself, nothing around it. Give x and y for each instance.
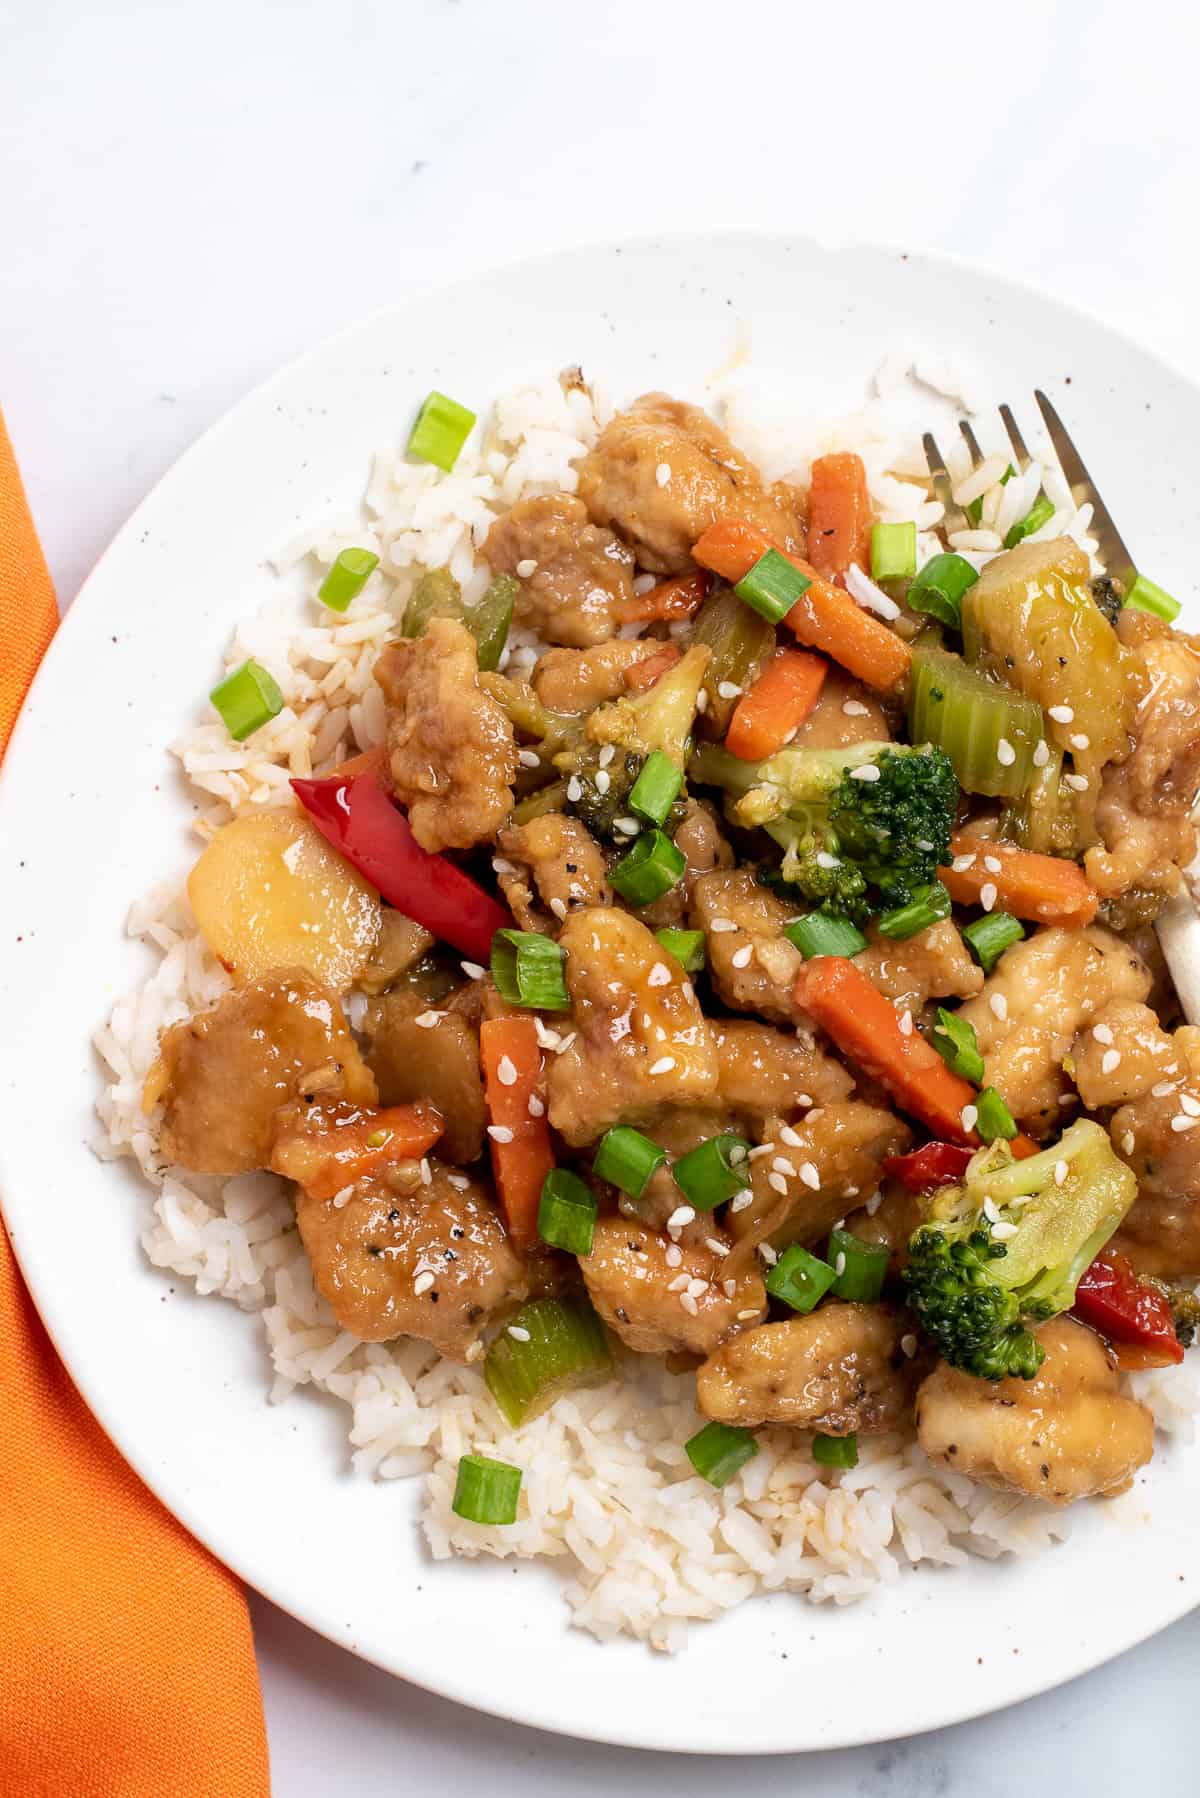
(1177, 925)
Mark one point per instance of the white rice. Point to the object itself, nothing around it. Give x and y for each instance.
(606, 1481)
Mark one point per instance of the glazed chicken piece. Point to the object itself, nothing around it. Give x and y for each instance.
(563, 861)
(933, 964)
(582, 573)
(829, 1163)
(839, 1370)
(753, 966)
(222, 1076)
(831, 726)
(450, 743)
(658, 1306)
(1159, 1137)
(701, 842)
(663, 471)
(575, 680)
(430, 1261)
(1120, 1055)
(641, 1042)
(1043, 991)
(766, 1073)
(439, 1063)
(1068, 1433)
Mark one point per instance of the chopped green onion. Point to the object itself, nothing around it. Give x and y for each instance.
(720, 1450)
(247, 699)
(561, 1346)
(994, 1118)
(927, 905)
(817, 933)
(987, 938)
(713, 1172)
(528, 970)
(489, 621)
(486, 1491)
(655, 790)
(893, 551)
(800, 1279)
(1147, 596)
(772, 586)
(347, 578)
(956, 1043)
(566, 1212)
(835, 1451)
(442, 428)
(861, 1267)
(1040, 513)
(937, 591)
(650, 869)
(687, 946)
(627, 1159)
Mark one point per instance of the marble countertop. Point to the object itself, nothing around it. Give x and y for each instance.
(191, 194)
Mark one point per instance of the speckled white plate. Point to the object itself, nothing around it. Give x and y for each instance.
(91, 814)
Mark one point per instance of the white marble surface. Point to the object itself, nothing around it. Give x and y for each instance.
(191, 193)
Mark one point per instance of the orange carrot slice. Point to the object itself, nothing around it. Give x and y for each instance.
(522, 1154)
(776, 705)
(839, 515)
(1043, 888)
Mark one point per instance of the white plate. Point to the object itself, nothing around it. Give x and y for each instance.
(90, 814)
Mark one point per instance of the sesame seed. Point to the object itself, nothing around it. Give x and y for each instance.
(718, 925)
(603, 780)
(1190, 1105)
(764, 1148)
(344, 1197)
(1061, 714)
(680, 1283)
(500, 866)
(1161, 1090)
(990, 1210)
(689, 1304)
(908, 1345)
(606, 754)
(1006, 755)
(574, 789)
(988, 894)
(925, 845)
(518, 1333)
(529, 758)
(1102, 1033)
(998, 1006)
(854, 708)
(737, 1153)
(1078, 783)
(674, 1254)
(1129, 1142)
(970, 1116)
(745, 1316)
(782, 1165)
(697, 1288)
(740, 1200)
(662, 473)
(778, 1184)
(1080, 741)
(506, 1072)
(564, 1043)
(423, 1282)
(993, 864)
(868, 771)
(459, 1182)
(526, 567)
(791, 1137)
(659, 975)
(741, 957)
(810, 1175)
(906, 1023)
(768, 1253)
(717, 1247)
(663, 1065)
(801, 1099)
(429, 1020)
(472, 970)
(682, 1214)
(1183, 1122)
(536, 1107)
(729, 1288)
(825, 860)
(627, 826)
(547, 1038)
(558, 907)
(1041, 753)
(702, 700)
(1110, 1061)
(839, 1266)
(426, 1172)
(729, 689)
(873, 1203)
(500, 1133)
(961, 863)
(1002, 1231)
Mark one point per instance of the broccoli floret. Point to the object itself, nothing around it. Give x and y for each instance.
(1007, 1248)
(891, 823)
(661, 717)
(599, 803)
(806, 869)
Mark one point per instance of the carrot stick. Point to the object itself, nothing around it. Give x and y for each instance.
(678, 598)
(823, 617)
(776, 705)
(512, 1072)
(839, 514)
(643, 674)
(1044, 888)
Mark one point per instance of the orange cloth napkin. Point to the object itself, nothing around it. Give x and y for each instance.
(126, 1660)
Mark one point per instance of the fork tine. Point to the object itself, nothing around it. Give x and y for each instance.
(1113, 553)
(1023, 457)
(972, 442)
(955, 519)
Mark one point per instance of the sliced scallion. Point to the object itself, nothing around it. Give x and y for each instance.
(720, 1450)
(687, 946)
(1147, 596)
(713, 1172)
(1040, 513)
(627, 1159)
(442, 428)
(927, 906)
(956, 1043)
(347, 578)
(772, 586)
(650, 869)
(817, 933)
(566, 1212)
(835, 1451)
(528, 970)
(561, 1346)
(655, 790)
(486, 1491)
(863, 1267)
(988, 937)
(800, 1279)
(994, 1119)
(937, 591)
(893, 551)
(247, 699)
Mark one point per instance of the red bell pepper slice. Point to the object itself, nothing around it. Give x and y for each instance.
(1135, 1317)
(933, 1164)
(363, 824)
